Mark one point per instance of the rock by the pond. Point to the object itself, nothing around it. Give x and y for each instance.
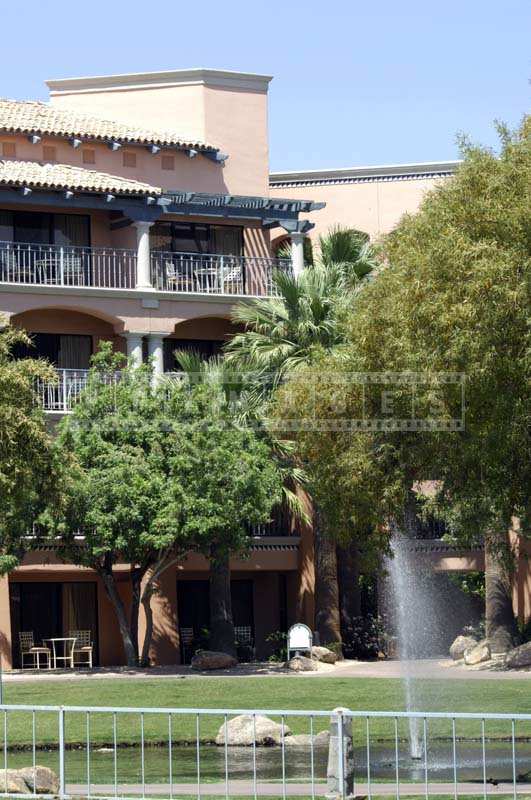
(28, 780)
(305, 740)
(302, 664)
(324, 654)
(12, 782)
(460, 645)
(210, 659)
(241, 731)
(477, 654)
(519, 656)
(44, 779)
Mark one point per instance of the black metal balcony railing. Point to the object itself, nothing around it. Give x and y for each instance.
(209, 273)
(116, 268)
(53, 265)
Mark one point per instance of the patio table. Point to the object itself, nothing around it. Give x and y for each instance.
(64, 641)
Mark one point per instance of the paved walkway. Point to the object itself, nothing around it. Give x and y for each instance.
(247, 789)
(443, 669)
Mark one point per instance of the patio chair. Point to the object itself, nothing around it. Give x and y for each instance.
(83, 648)
(28, 648)
(243, 636)
(186, 636)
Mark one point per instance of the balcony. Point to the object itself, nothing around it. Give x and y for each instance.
(208, 273)
(53, 265)
(59, 396)
(114, 268)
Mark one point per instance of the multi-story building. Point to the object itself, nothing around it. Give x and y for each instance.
(136, 209)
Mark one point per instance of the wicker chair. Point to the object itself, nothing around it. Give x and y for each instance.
(83, 648)
(28, 648)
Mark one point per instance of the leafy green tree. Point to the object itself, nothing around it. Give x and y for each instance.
(241, 475)
(157, 470)
(28, 470)
(453, 298)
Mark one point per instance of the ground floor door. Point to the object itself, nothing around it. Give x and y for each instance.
(49, 609)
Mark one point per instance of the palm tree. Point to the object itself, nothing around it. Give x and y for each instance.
(280, 336)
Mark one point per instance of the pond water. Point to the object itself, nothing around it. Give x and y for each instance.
(298, 763)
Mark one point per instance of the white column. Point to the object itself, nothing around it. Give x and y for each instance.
(134, 348)
(143, 255)
(156, 353)
(297, 252)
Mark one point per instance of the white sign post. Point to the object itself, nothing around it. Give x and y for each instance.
(300, 638)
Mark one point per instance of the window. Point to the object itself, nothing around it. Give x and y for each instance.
(168, 162)
(204, 348)
(197, 237)
(34, 227)
(49, 153)
(9, 149)
(89, 155)
(128, 158)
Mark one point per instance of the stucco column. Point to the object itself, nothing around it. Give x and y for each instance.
(297, 252)
(143, 255)
(134, 347)
(156, 353)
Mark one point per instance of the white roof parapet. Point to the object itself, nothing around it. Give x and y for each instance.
(140, 80)
(386, 172)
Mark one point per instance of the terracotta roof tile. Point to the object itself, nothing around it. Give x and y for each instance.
(64, 176)
(30, 116)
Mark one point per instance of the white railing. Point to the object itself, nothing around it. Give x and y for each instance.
(208, 273)
(54, 265)
(61, 395)
(104, 752)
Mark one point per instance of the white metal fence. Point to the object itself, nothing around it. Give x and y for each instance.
(54, 265)
(100, 752)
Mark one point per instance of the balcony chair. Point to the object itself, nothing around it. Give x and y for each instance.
(232, 280)
(28, 648)
(177, 279)
(83, 648)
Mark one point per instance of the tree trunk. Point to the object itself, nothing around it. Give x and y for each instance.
(148, 612)
(136, 587)
(222, 634)
(348, 576)
(499, 567)
(112, 593)
(327, 618)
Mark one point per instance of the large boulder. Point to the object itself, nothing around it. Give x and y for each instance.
(305, 740)
(477, 654)
(241, 731)
(460, 645)
(519, 657)
(324, 654)
(42, 780)
(210, 659)
(302, 664)
(12, 782)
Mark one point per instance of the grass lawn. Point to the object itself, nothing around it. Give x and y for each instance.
(261, 693)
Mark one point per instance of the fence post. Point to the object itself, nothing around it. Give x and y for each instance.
(62, 789)
(340, 771)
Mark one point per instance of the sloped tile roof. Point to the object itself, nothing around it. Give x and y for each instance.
(30, 116)
(64, 176)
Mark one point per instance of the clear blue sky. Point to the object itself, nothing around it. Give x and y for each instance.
(355, 82)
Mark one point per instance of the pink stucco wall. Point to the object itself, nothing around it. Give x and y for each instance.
(229, 117)
(374, 207)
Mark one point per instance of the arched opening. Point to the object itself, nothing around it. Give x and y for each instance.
(65, 337)
(203, 335)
